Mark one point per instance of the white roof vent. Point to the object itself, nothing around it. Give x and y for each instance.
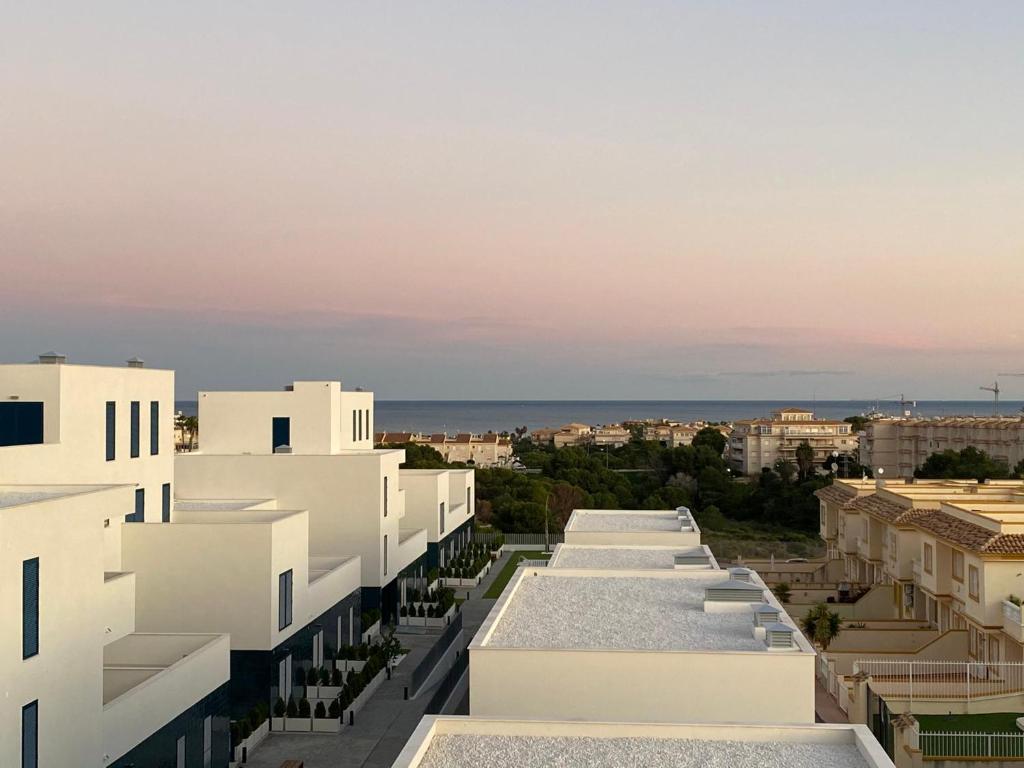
(741, 574)
(691, 558)
(733, 591)
(53, 358)
(766, 614)
(136, 362)
(779, 637)
(283, 449)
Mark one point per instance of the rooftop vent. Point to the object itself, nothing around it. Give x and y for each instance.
(53, 358)
(136, 362)
(283, 449)
(738, 573)
(696, 558)
(733, 591)
(766, 614)
(779, 637)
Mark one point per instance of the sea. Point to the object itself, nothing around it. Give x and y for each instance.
(501, 415)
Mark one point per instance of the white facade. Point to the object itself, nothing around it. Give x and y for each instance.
(641, 646)
(458, 742)
(635, 558)
(438, 500)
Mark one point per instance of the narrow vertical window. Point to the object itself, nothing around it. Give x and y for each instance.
(180, 750)
(111, 429)
(139, 515)
(366, 417)
(354, 417)
(154, 427)
(165, 503)
(385, 497)
(134, 444)
(385, 554)
(30, 608)
(30, 735)
(469, 501)
(207, 742)
(359, 424)
(281, 432)
(440, 516)
(284, 600)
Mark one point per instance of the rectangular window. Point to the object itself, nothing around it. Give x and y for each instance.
(154, 427)
(385, 554)
(366, 413)
(929, 556)
(469, 501)
(385, 497)
(359, 424)
(180, 748)
(284, 677)
(30, 608)
(165, 503)
(958, 566)
(207, 742)
(318, 649)
(355, 415)
(30, 735)
(134, 444)
(281, 432)
(440, 515)
(21, 423)
(111, 429)
(284, 600)
(139, 515)
(972, 582)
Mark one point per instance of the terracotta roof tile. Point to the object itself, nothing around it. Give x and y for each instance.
(836, 494)
(873, 505)
(955, 530)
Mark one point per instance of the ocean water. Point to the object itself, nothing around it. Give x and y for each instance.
(499, 415)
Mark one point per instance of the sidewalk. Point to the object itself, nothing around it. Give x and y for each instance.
(825, 707)
(386, 722)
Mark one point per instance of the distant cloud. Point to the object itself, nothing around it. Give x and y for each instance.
(759, 374)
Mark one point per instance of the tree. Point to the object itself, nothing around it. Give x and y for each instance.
(189, 426)
(710, 437)
(857, 422)
(1018, 470)
(970, 463)
(805, 458)
(782, 592)
(821, 625)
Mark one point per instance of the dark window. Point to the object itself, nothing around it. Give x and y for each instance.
(469, 501)
(139, 515)
(179, 749)
(366, 415)
(355, 415)
(30, 735)
(21, 423)
(134, 443)
(385, 497)
(281, 430)
(385, 554)
(111, 429)
(30, 608)
(440, 514)
(284, 600)
(165, 503)
(154, 428)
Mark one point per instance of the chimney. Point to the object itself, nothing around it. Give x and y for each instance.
(53, 358)
(136, 362)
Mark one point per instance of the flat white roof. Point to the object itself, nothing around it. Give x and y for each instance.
(17, 495)
(613, 556)
(216, 505)
(563, 609)
(453, 742)
(623, 520)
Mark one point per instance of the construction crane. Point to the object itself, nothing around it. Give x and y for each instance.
(994, 389)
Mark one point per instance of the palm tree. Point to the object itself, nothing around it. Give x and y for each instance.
(821, 625)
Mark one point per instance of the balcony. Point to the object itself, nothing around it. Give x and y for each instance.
(412, 542)
(1013, 620)
(118, 605)
(331, 579)
(149, 679)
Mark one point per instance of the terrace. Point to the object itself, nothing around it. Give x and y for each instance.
(661, 527)
(453, 742)
(632, 558)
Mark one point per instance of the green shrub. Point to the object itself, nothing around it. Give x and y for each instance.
(304, 707)
(420, 612)
(312, 676)
(293, 708)
(279, 707)
(430, 610)
(350, 678)
(363, 652)
(336, 677)
(415, 596)
(432, 575)
(325, 676)
(244, 729)
(320, 712)
(334, 710)
(403, 611)
(235, 738)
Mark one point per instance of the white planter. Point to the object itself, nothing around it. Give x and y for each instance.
(312, 692)
(398, 659)
(328, 692)
(255, 739)
(372, 631)
(298, 724)
(277, 723)
(496, 553)
(346, 664)
(441, 621)
(326, 725)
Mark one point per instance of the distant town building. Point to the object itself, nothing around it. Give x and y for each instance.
(899, 446)
(488, 450)
(758, 443)
(613, 435)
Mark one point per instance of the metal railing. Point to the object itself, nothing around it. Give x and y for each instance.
(428, 662)
(451, 679)
(518, 539)
(937, 745)
(942, 680)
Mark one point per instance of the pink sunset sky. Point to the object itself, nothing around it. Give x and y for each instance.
(520, 200)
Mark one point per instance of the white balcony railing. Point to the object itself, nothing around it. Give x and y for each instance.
(1012, 614)
(915, 569)
(942, 680)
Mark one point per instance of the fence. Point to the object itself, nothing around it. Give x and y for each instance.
(942, 680)
(950, 745)
(520, 539)
(428, 662)
(833, 683)
(451, 679)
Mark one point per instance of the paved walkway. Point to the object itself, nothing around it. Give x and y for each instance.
(384, 725)
(825, 707)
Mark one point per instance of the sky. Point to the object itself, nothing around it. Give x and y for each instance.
(521, 200)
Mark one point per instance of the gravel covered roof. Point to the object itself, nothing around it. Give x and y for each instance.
(626, 521)
(639, 558)
(473, 751)
(627, 613)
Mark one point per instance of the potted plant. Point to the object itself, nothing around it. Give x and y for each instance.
(280, 709)
(303, 721)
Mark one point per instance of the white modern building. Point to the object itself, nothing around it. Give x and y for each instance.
(468, 742)
(442, 502)
(655, 645)
(675, 527)
(83, 451)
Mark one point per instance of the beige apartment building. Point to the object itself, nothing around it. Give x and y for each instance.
(670, 435)
(899, 446)
(488, 450)
(758, 443)
(952, 552)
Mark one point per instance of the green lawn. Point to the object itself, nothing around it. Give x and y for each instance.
(997, 722)
(495, 590)
(987, 742)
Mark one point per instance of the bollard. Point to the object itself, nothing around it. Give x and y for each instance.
(406, 695)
